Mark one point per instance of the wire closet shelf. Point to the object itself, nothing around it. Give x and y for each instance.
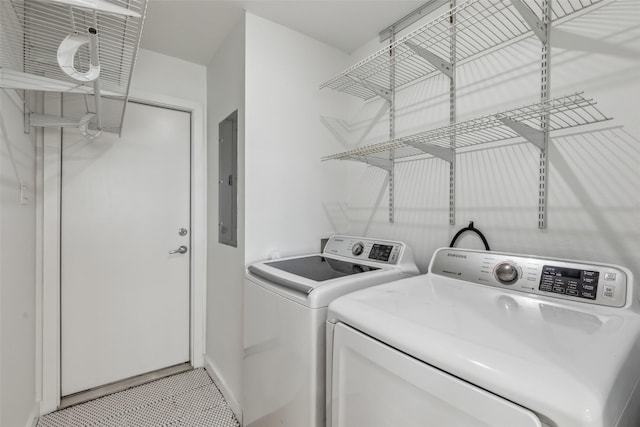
(478, 25)
(564, 112)
(31, 34)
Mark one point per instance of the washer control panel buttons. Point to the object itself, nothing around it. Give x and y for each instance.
(577, 281)
(506, 273)
(609, 290)
(569, 281)
(364, 249)
(380, 252)
(357, 249)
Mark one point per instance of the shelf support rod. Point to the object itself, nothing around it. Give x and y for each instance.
(452, 113)
(534, 136)
(443, 153)
(94, 59)
(392, 125)
(537, 26)
(441, 64)
(545, 89)
(379, 90)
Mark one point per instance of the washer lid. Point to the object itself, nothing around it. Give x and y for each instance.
(572, 364)
(306, 273)
(320, 268)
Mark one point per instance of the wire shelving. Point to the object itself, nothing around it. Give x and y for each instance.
(32, 30)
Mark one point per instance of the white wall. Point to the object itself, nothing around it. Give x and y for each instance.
(225, 264)
(594, 202)
(271, 74)
(159, 74)
(17, 268)
(288, 190)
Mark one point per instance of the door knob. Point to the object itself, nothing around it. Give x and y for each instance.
(181, 250)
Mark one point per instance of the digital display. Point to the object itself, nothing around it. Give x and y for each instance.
(569, 281)
(380, 252)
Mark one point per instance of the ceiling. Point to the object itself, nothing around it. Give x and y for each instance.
(193, 30)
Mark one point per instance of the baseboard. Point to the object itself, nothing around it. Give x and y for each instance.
(224, 389)
(34, 415)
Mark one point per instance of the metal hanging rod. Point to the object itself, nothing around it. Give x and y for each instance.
(565, 112)
(479, 26)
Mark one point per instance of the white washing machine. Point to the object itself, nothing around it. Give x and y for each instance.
(285, 312)
(488, 339)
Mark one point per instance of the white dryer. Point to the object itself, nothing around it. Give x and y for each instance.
(488, 339)
(285, 312)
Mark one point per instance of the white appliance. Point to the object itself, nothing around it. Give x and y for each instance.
(488, 339)
(285, 311)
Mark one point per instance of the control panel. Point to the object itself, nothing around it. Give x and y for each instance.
(570, 281)
(381, 251)
(591, 283)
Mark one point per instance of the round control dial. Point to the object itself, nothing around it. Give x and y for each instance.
(506, 272)
(357, 249)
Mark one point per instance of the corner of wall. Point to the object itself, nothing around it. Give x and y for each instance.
(32, 421)
(219, 381)
(225, 264)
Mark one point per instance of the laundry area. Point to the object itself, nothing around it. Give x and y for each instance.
(320, 213)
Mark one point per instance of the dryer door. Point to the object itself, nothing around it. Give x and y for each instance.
(375, 385)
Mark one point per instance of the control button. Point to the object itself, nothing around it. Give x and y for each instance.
(587, 287)
(609, 276)
(547, 288)
(589, 295)
(609, 290)
(572, 292)
(357, 249)
(558, 290)
(506, 273)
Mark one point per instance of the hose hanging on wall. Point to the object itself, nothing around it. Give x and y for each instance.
(470, 228)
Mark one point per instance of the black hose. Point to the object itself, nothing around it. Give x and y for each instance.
(470, 228)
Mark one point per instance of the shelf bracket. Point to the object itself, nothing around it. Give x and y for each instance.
(534, 136)
(378, 162)
(441, 64)
(443, 153)
(379, 90)
(531, 19)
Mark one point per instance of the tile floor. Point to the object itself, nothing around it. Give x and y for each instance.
(189, 399)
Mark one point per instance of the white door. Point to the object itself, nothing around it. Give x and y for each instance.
(124, 297)
(375, 385)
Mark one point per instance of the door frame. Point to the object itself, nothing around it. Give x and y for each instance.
(48, 300)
